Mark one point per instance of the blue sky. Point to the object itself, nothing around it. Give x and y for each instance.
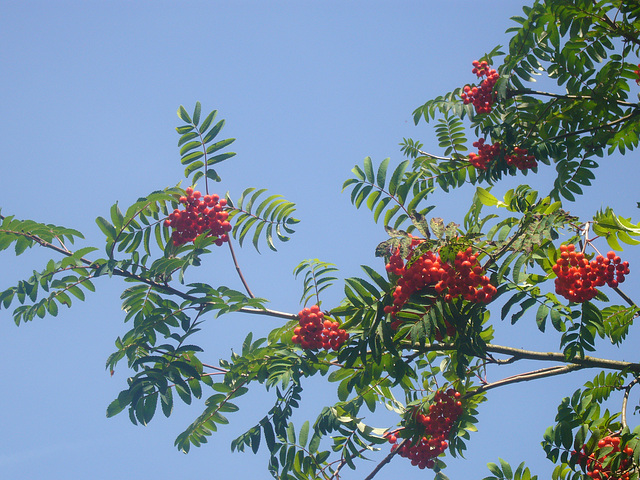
(89, 95)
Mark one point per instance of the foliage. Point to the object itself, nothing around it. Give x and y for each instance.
(401, 349)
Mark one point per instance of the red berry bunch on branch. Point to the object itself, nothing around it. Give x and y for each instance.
(521, 159)
(481, 97)
(486, 154)
(594, 463)
(464, 278)
(435, 425)
(201, 214)
(314, 332)
(577, 277)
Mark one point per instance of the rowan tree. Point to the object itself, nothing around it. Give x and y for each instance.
(415, 332)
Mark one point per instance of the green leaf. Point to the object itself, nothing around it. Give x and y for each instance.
(22, 243)
(368, 170)
(381, 176)
(196, 114)
(291, 433)
(187, 159)
(182, 113)
(541, 316)
(486, 198)
(107, 228)
(314, 444)
(189, 146)
(184, 129)
(506, 469)
(116, 216)
(304, 434)
(114, 408)
(396, 177)
(213, 132)
(495, 470)
(219, 145)
(186, 137)
(219, 158)
(207, 121)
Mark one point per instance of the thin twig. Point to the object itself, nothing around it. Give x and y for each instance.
(213, 367)
(435, 157)
(343, 462)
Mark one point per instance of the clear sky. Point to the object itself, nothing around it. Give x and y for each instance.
(89, 95)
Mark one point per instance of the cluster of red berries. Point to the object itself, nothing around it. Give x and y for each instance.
(201, 214)
(486, 154)
(594, 464)
(521, 159)
(314, 332)
(637, 72)
(481, 97)
(436, 425)
(465, 278)
(577, 277)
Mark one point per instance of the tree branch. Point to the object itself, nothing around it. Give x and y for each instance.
(614, 25)
(625, 399)
(158, 286)
(633, 114)
(520, 354)
(528, 91)
(525, 377)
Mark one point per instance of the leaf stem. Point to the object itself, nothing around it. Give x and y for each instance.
(204, 150)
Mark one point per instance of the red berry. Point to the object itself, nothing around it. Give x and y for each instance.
(315, 332)
(197, 217)
(436, 428)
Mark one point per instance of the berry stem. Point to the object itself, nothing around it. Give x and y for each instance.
(625, 298)
(235, 263)
(386, 459)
